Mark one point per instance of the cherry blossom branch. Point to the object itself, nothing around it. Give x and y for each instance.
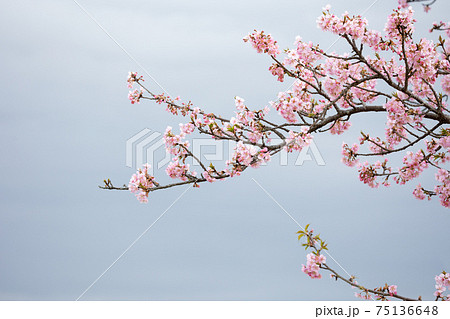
(329, 89)
(324, 97)
(426, 6)
(316, 261)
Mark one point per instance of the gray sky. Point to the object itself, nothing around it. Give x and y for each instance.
(65, 118)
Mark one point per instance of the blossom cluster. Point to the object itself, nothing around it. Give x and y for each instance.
(368, 173)
(135, 95)
(443, 189)
(442, 283)
(296, 141)
(133, 78)
(141, 183)
(292, 101)
(415, 68)
(175, 143)
(245, 154)
(349, 154)
(340, 127)
(399, 24)
(245, 127)
(396, 119)
(415, 164)
(354, 26)
(179, 170)
(263, 43)
(313, 263)
(392, 290)
(379, 293)
(419, 193)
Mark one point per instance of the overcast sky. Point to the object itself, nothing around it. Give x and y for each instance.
(66, 118)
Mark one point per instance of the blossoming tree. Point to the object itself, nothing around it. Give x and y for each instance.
(394, 73)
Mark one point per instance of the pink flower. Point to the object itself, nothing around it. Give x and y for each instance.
(277, 71)
(442, 283)
(141, 183)
(239, 103)
(354, 26)
(340, 127)
(196, 111)
(445, 82)
(135, 96)
(399, 19)
(243, 154)
(414, 166)
(174, 143)
(443, 190)
(207, 175)
(312, 267)
(392, 290)
(263, 43)
(444, 141)
(397, 118)
(132, 77)
(187, 128)
(297, 141)
(419, 193)
(179, 170)
(349, 154)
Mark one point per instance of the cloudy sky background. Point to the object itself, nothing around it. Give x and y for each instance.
(65, 119)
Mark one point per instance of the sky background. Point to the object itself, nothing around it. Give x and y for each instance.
(65, 119)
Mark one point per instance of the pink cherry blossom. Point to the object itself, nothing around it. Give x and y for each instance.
(349, 154)
(445, 82)
(312, 267)
(141, 182)
(297, 141)
(442, 283)
(340, 127)
(135, 96)
(443, 190)
(419, 193)
(392, 290)
(132, 78)
(208, 175)
(179, 170)
(263, 43)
